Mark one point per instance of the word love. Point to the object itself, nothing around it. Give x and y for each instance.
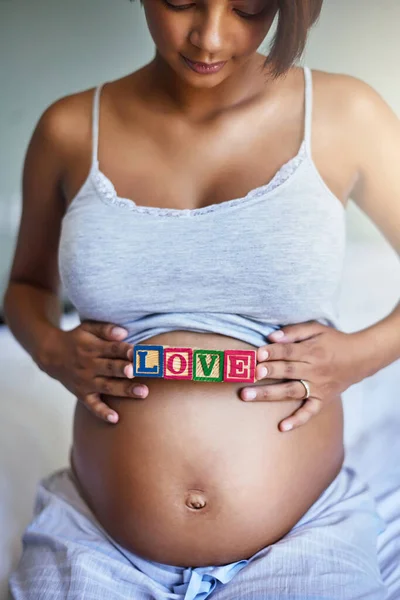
(170, 362)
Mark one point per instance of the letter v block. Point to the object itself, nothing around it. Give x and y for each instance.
(178, 363)
(240, 366)
(148, 360)
(208, 365)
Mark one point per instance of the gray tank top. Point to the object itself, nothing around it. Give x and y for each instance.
(241, 268)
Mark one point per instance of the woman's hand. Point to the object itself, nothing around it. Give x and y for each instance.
(329, 360)
(91, 359)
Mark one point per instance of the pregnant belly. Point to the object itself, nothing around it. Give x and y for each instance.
(194, 476)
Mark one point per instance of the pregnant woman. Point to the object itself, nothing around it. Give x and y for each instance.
(161, 202)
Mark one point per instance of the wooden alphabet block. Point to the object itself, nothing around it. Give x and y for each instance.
(148, 360)
(197, 364)
(178, 363)
(208, 365)
(240, 366)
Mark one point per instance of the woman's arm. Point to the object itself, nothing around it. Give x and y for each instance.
(90, 359)
(376, 134)
(330, 361)
(31, 303)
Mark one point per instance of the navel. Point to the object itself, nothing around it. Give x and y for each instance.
(196, 499)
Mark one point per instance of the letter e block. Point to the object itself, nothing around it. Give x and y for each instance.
(240, 366)
(178, 363)
(148, 361)
(208, 365)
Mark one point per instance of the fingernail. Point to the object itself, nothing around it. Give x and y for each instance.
(277, 335)
(119, 331)
(249, 395)
(138, 390)
(263, 354)
(263, 372)
(128, 371)
(286, 426)
(112, 417)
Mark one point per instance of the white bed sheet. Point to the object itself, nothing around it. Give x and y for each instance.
(36, 417)
(372, 436)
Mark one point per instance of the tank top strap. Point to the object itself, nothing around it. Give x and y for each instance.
(308, 107)
(95, 124)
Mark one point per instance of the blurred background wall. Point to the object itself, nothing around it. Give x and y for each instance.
(50, 48)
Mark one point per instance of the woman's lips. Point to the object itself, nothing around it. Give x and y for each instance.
(203, 68)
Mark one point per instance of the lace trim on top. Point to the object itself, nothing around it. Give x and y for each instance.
(108, 194)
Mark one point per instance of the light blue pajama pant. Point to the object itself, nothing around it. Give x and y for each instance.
(331, 553)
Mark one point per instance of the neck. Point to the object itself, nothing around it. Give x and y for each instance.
(200, 103)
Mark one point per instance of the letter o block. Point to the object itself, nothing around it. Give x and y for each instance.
(178, 363)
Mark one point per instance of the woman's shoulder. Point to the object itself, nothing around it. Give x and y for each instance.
(71, 115)
(346, 101)
(330, 89)
(342, 90)
(67, 119)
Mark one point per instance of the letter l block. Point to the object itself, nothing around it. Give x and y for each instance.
(148, 361)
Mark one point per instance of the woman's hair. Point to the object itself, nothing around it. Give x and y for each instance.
(295, 18)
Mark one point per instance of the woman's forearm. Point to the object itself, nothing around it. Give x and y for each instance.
(33, 316)
(380, 343)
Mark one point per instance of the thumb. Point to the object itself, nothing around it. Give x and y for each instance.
(106, 331)
(296, 333)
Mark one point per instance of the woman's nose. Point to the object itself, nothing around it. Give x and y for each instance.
(209, 35)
